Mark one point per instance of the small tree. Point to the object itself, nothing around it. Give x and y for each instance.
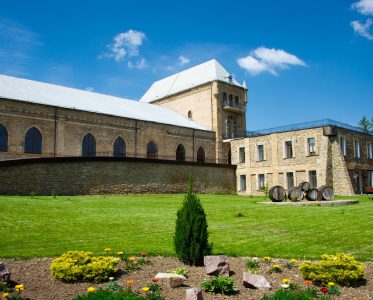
(191, 237)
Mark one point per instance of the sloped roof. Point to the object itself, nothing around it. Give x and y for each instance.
(206, 72)
(54, 95)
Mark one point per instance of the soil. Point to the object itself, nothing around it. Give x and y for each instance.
(40, 285)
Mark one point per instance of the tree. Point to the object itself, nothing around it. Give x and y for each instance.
(365, 124)
(191, 236)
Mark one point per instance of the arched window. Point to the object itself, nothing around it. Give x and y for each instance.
(119, 147)
(230, 100)
(201, 155)
(190, 115)
(180, 153)
(89, 146)
(236, 100)
(33, 141)
(152, 151)
(225, 98)
(3, 139)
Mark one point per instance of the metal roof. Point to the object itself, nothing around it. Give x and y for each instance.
(206, 72)
(54, 95)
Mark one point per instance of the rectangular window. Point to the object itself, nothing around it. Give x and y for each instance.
(241, 158)
(261, 181)
(260, 152)
(370, 178)
(242, 182)
(369, 151)
(312, 178)
(311, 146)
(343, 144)
(289, 149)
(357, 149)
(290, 179)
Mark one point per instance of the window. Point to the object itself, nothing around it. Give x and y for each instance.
(261, 181)
(343, 144)
(89, 146)
(357, 149)
(33, 141)
(370, 178)
(3, 139)
(260, 152)
(312, 178)
(152, 151)
(242, 183)
(288, 149)
(180, 153)
(119, 148)
(229, 156)
(225, 98)
(369, 151)
(190, 115)
(201, 155)
(311, 146)
(241, 155)
(236, 101)
(290, 180)
(230, 100)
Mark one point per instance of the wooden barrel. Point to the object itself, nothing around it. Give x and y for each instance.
(313, 195)
(327, 192)
(295, 194)
(305, 186)
(277, 193)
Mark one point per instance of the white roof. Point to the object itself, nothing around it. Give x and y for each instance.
(54, 95)
(184, 80)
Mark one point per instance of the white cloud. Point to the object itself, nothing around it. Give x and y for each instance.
(362, 29)
(364, 7)
(268, 60)
(141, 64)
(183, 60)
(125, 43)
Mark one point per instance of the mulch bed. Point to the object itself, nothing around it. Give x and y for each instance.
(40, 285)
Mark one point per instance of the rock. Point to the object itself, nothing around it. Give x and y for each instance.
(171, 280)
(255, 281)
(217, 265)
(193, 294)
(4, 273)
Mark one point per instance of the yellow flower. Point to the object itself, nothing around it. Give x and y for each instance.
(132, 258)
(130, 281)
(107, 250)
(286, 280)
(20, 288)
(90, 289)
(276, 266)
(293, 260)
(331, 284)
(267, 258)
(120, 253)
(5, 295)
(145, 289)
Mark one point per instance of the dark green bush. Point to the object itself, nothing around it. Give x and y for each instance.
(340, 268)
(191, 237)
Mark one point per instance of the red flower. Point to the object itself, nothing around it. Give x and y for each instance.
(143, 254)
(324, 290)
(155, 279)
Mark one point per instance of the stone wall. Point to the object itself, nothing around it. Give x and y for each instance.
(111, 175)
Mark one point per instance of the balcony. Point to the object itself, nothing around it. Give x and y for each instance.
(233, 106)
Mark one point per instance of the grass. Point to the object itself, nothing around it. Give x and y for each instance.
(42, 226)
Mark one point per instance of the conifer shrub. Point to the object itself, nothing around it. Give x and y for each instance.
(191, 236)
(75, 266)
(340, 268)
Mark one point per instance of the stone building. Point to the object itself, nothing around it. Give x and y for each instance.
(323, 153)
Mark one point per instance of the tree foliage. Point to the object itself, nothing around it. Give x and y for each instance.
(191, 236)
(366, 125)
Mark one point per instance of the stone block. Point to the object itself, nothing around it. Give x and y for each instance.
(171, 280)
(217, 265)
(193, 294)
(255, 281)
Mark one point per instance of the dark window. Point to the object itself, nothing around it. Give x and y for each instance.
(3, 138)
(180, 153)
(236, 101)
(261, 181)
(312, 179)
(230, 100)
(119, 147)
(201, 155)
(241, 155)
(289, 149)
(242, 182)
(229, 156)
(33, 141)
(290, 180)
(152, 151)
(260, 152)
(311, 142)
(89, 146)
(225, 98)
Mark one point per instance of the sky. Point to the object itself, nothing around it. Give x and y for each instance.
(302, 60)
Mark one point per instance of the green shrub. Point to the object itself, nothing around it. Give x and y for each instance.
(294, 294)
(220, 284)
(83, 266)
(340, 268)
(191, 237)
(253, 266)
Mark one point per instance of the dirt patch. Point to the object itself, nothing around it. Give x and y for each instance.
(40, 285)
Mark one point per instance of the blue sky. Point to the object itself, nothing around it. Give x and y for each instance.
(301, 60)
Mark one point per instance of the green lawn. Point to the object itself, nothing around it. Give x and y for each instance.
(43, 226)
